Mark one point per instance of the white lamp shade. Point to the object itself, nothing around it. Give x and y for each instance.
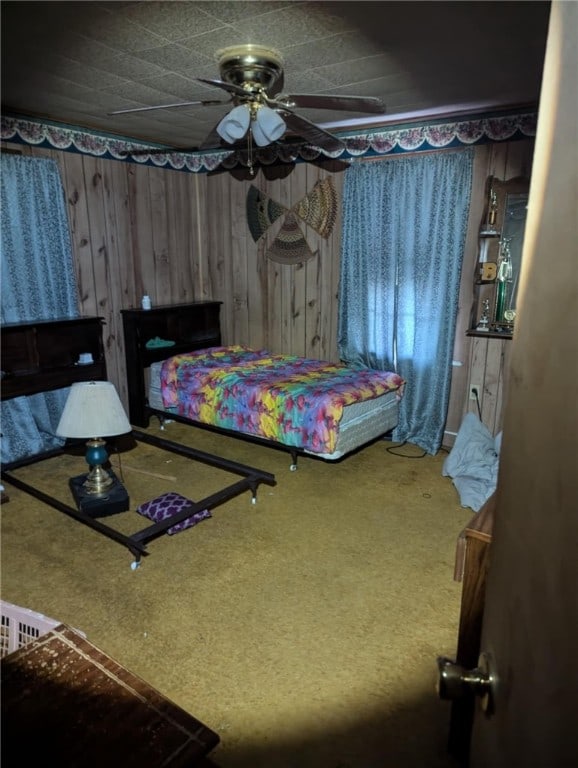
(93, 409)
(235, 124)
(267, 127)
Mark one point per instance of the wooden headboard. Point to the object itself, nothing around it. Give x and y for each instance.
(42, 355)
(190, 326)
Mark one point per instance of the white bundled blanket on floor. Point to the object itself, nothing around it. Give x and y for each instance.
(473, 462)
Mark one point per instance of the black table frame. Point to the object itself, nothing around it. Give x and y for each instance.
(137, 541)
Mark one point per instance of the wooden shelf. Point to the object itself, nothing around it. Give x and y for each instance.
(41, 356)
(490, 334)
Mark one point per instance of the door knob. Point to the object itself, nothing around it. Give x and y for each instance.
(457, 682)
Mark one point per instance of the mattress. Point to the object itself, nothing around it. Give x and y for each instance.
(361, 422)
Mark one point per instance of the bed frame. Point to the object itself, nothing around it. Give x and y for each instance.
(196, 326)
(249, 480)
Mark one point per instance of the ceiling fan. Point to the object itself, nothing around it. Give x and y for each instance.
(253, 76)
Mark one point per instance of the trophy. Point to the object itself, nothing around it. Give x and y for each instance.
(489, 227)
(504, 277)
(484, 322)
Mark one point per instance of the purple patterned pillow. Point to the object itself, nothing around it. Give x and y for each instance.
(167, 505)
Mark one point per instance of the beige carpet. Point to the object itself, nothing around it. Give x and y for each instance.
(303, 629)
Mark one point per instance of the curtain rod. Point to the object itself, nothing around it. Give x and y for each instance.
(410, 154)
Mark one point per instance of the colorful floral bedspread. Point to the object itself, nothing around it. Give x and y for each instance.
(292, 400)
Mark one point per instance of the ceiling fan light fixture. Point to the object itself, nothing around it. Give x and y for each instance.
(267, 126)
(253, 77)
(235, 124)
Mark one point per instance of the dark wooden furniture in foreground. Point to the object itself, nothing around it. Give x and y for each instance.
(43, 355)
(190, 326)
(67, 703)
(471, 568)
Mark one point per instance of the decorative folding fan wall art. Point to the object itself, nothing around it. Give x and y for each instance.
(318, 209)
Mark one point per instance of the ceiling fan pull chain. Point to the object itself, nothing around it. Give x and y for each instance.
(250, 152)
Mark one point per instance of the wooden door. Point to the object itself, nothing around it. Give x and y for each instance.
(530, 625)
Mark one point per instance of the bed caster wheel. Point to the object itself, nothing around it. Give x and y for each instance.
(293, 467)
(134, 565)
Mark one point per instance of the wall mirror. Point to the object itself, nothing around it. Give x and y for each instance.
(510, 256)
(500, 256)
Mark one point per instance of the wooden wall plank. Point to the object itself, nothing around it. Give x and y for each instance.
(503, 388)
(283, 194)
(200, 253)
(125, 295)
(219, 250)
(239, 243)
(329, 256)
(476, 372)
(119, 209)
(257, 294)
(273, 275)
(518, 159)
(264, 266)
(160, 290)
(140, 228)
(104, 262)
(79, 222)
(491, 383)
(182, 236)
(332, 257)
(313, 293)
(301, 182)
(114, 286)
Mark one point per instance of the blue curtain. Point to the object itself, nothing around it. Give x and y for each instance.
(38, 283)
(404, 229)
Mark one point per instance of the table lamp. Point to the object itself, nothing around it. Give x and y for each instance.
(93, 410)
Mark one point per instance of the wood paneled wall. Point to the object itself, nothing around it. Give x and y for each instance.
(286, 308)
(183, 237)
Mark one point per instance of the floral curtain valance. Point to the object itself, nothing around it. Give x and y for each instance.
(375, 142)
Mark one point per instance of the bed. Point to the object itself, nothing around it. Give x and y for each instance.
(303, 405)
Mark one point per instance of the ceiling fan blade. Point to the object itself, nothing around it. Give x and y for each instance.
(331, 164)
(242, 172)
(318, 101)
(204, 103)
(214, 141)
(315, 135)
(231, 87)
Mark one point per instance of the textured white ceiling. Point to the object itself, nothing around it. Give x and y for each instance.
(74, 62)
